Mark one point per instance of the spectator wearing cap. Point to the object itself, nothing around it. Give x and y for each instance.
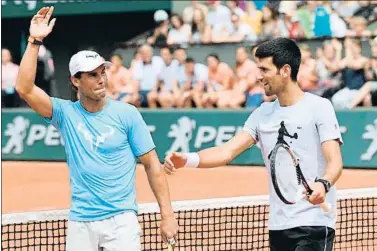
(200, 30)
(121, 84)
(160, 34)
(220, 83)
(146, 72)
(180, 32)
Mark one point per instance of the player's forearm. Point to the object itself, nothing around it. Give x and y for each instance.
(333, 171)
(159, 185)
(27, 70)
(214, 157)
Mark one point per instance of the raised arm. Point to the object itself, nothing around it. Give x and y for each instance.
(37, 99)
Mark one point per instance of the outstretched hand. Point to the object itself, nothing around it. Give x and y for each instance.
(40, 26)
(173, 161)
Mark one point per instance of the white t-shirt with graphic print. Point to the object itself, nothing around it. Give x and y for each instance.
(313, 119)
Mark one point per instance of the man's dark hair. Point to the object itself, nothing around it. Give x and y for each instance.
(168, 48)
(117, 55)
(190, 60)
(77, 75)
(283, 51)
(214, 55)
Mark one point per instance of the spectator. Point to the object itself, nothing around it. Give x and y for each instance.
(196, 79)
(322, 25)
(9, 71)
(346, 9)
(218, 18)
(180, 33)
(147, 72)
(220, 81)
(269, 23)
(365, 93)
(353, 67)
(200, 30)
(367, 10)
(160, 33)
(239, 32)
(188, 12)
(288, 25)
(253, 18)
(329, 77)
(137, 58)
(246, 87)
(234, 8)
(121, 84)
(305, 16)
(358, 25)
(307, 76)
(180, 88)
(164, 90)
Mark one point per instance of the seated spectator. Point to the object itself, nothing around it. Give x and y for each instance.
(346, 9)
(322, 26)
(135, 60)
(188, 12)
(233, 6)
(220, 83)
(164, 91)
(180, 89)
(200, 30)
(269, 23)
(288, 25)
(218, 18)
(253, 18)
(121, 84)
(367, 9)
(353, 67)
(358, 25)
(192, 83)
(147, 72)
(9, 71)
(180, 32)
(307, 76)
(305, 16)
(329, 77)
(246, 87)
(364, 95)
(160, 34)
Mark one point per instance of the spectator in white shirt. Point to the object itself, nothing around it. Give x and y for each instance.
(147, 72)
(188, 12)
(180, 33)
(234, 8)
(219, 18)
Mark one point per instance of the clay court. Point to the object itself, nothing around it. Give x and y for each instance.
(36, 186)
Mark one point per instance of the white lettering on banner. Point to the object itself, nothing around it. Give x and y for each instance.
(205, 134)
(53, 137)
(36, 133)
(225, 133)
(370, 134)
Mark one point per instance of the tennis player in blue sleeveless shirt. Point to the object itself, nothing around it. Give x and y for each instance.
(103, 139)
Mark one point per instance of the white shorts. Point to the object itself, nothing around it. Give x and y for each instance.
(118, 233)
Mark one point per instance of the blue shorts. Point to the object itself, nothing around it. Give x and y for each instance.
(254, 100)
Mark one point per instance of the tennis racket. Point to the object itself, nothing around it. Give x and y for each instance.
(287, 177)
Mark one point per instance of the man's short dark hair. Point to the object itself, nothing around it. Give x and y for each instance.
(214, 55)
(117, 55)
(283, 51)
(190, 60)
(168, 48)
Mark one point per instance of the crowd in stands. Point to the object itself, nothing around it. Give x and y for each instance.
(172, 79)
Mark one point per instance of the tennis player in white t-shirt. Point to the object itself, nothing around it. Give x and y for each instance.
(302, 226)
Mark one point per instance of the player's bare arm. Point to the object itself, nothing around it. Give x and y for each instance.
(334, 168)
(37, 99)
(210, 157)
(159, 185)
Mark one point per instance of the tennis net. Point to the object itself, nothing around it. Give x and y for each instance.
(238, 223)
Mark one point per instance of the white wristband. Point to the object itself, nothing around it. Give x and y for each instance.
(192, 160)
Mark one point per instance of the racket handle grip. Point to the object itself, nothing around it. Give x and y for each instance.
(325, 207)
(170, 247)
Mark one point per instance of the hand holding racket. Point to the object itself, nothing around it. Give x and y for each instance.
(288, 180)
(171, 244)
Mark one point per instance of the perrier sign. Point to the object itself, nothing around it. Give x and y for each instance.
(28, 8)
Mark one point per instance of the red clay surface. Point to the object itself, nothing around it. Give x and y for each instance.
(34, 186)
